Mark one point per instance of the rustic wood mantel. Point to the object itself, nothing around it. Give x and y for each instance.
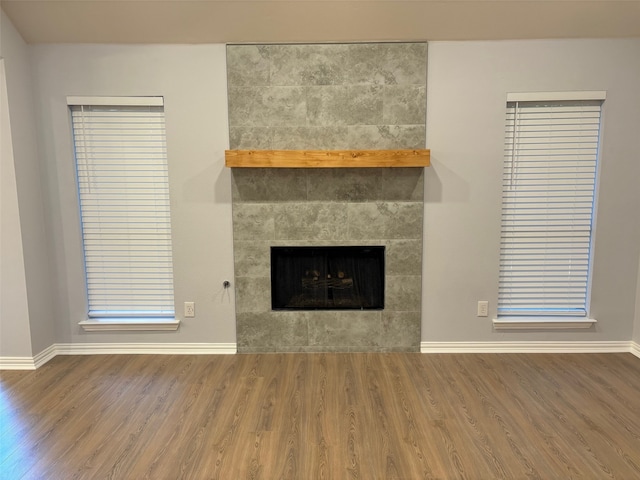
(326, 158)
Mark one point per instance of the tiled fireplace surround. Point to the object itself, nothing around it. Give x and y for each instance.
(338, 96)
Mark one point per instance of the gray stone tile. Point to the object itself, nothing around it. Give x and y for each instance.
(252, 258)
(401, 329)
(344, 105)
(403, 293)
(344, 184)
(256, 349)
(366, 220)
(267, 106)
(402, 184)
(387, 63)
(313, 349)
(311, 64)
(269, 184)
(386, 136)
(403, 257)
(247, 65)
(253, 221)
(385, 220)
(311, 221)
(292, 349)
(404, 219)
(368, 65)
(253, 294)
(412, 349)
(404, 105)
(268, 330)
(307, 315)
(364, 349)
(250, 138)
(311, 138)
(311, 243)
(346, 328)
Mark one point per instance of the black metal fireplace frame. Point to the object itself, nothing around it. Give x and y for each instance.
(374, 254)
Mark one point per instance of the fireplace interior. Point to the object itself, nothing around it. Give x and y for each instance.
(327, 278)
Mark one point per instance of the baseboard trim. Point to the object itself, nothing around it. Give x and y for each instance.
(526, 347)
(146, 348)
(31, 363)
(45, 355)
(17, 363)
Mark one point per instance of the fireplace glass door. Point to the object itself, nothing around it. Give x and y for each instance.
(327, 278)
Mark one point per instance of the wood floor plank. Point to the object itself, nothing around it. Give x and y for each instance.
(547, 388)
(349, 417)
(323, 416)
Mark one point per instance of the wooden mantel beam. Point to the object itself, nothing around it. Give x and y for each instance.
(326, 158)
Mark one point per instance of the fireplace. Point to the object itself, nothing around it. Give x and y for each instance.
(327, 97)
(327, 278)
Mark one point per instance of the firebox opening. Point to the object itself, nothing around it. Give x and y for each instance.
(327, 278)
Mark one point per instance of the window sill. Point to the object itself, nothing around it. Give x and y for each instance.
(546, 323)
(132, 324)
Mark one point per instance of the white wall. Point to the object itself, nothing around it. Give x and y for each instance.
(15, 338)
(466, 91)
(467, 87)
(192, 80)
(31, 255)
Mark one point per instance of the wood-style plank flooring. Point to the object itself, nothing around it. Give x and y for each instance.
(323, 416)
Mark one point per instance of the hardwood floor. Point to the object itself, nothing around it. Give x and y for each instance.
(323, 416)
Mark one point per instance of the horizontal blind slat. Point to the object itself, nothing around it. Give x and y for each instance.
(124, 201)
(550, 161)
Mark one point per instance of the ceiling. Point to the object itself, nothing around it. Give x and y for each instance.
(274, 21)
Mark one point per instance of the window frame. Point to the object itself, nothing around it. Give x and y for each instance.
(132, 319)
(557, 321)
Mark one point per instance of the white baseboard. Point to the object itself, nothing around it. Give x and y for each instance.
(146, 348)
(31, 363)
(525, 347)
(17, 363)
(45, 355)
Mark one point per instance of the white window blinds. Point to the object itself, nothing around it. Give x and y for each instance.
(124, 203)
(549, 177)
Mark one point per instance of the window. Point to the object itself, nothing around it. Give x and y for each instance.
(549, 178)
(121, 166)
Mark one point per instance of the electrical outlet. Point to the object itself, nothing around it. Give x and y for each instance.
(483, 308)
(189, 309)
